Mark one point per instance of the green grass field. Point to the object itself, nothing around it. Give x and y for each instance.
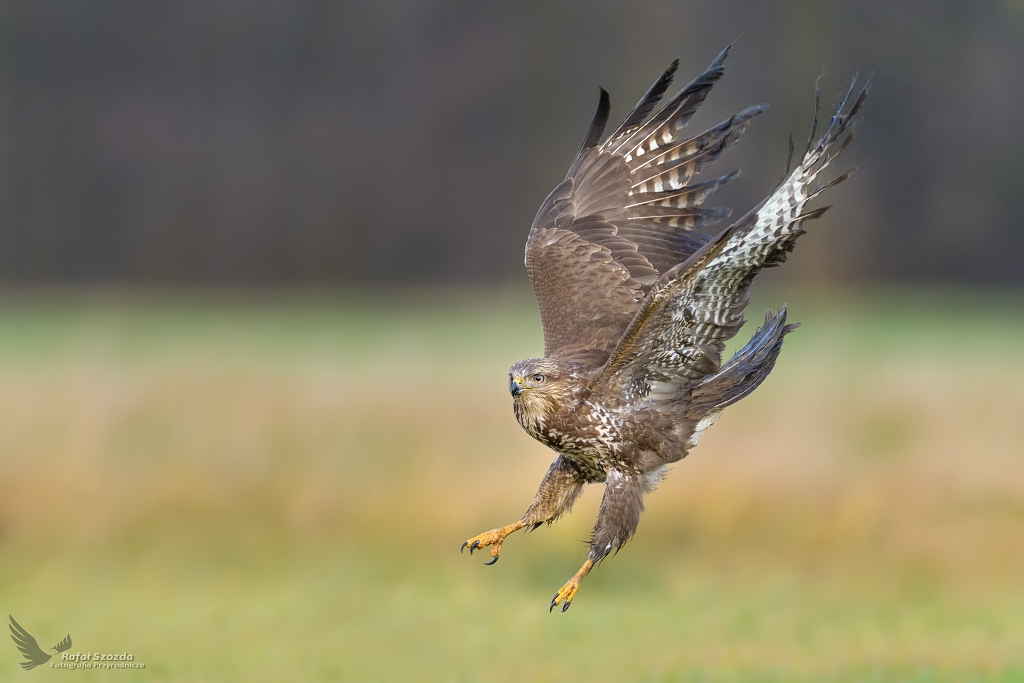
(275, 488)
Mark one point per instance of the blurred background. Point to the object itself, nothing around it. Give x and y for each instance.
(261, 281)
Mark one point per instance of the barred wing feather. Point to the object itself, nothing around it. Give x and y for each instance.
(679, 332)
(626, 213)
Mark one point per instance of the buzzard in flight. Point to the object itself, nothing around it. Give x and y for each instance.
(637, 304)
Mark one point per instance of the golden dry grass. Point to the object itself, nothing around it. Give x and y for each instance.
(276, 490)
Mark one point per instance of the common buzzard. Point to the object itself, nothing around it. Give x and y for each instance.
(637, 304)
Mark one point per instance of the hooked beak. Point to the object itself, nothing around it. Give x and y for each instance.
(515, 386)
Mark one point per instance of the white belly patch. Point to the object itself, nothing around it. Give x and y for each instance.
(704, 423)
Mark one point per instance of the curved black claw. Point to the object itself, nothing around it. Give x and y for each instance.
(565, 606)
(550, 609)
(476, 544)
(464, 544)
(493, 560)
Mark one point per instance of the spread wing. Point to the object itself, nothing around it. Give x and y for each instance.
(625, 214)
(28, 646)
(678, 335)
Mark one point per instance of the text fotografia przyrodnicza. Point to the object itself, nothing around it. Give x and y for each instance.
(97, 660)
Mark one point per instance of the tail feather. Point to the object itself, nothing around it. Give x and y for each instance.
(745, 371)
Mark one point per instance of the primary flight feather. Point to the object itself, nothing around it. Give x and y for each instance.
(637, 302)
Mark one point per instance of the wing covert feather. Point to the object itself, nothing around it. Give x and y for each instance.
(585, 296)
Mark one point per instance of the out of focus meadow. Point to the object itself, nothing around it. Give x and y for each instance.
(226, 450)
(275, 487)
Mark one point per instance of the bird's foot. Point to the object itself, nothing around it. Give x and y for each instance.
(494, 537)
(568, 591)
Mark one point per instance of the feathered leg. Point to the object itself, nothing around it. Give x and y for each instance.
(559, 489)
(621, 507)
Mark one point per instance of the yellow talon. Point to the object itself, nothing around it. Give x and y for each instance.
(493, 537)
(568, 591)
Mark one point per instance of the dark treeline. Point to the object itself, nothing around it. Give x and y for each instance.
(304, 141)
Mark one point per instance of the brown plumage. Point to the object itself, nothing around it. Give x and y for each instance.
(637, 304)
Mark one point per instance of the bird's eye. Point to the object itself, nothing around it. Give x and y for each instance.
(538, 378)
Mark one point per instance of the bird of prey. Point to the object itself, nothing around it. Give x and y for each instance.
(34, 655)
(637, 302)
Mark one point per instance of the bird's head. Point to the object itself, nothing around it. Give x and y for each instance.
(542, 386)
